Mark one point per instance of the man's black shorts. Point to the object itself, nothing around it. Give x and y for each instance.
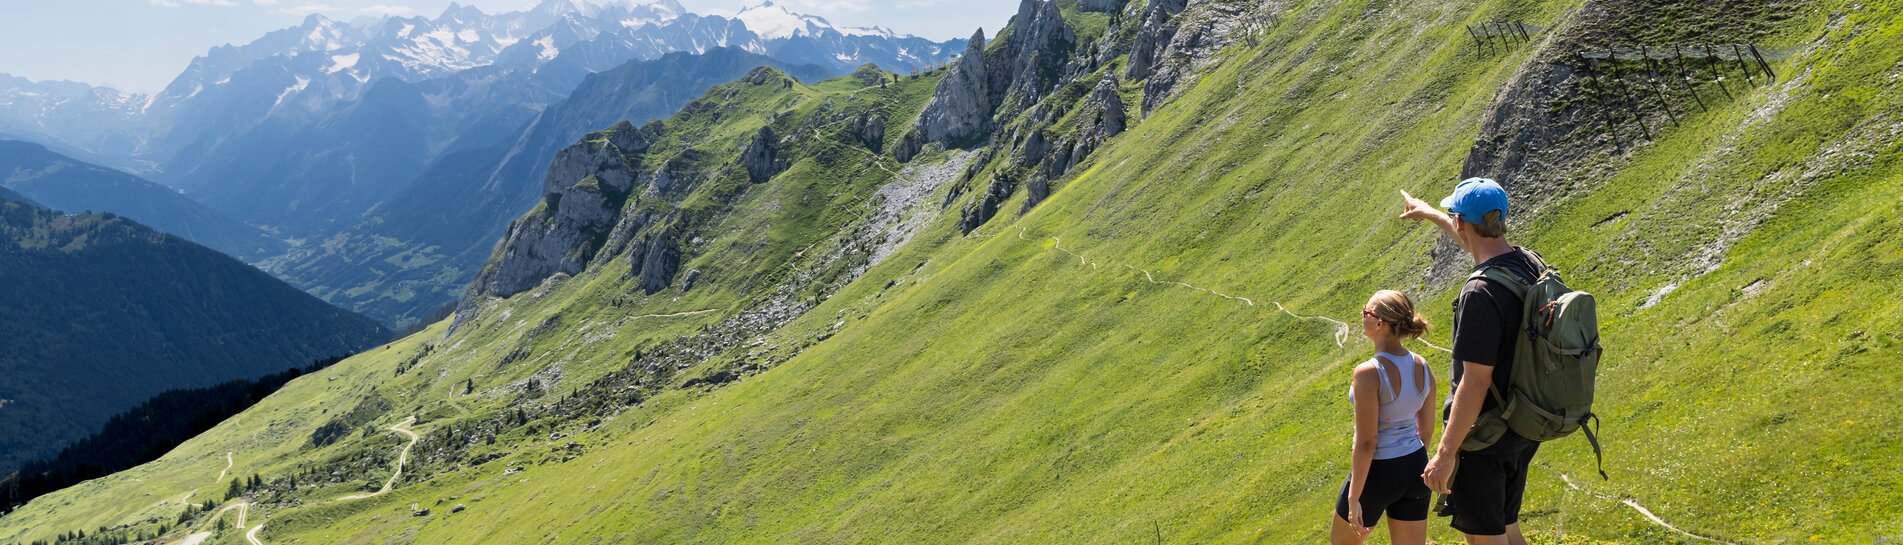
(1488, 485)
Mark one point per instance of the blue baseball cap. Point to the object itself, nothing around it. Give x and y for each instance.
(1474, 197)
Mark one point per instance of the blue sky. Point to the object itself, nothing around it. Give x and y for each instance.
(141, 45)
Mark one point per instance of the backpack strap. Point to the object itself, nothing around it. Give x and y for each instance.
(1519, 286)
(1593, 439)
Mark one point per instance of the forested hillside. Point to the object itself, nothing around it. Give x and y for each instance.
(102, 313)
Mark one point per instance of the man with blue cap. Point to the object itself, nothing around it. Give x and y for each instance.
(1484, 495)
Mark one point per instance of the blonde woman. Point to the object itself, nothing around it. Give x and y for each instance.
(1393, 397)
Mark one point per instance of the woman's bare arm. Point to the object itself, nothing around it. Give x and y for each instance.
(1367, 428)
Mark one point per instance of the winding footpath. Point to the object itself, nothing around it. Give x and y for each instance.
(675, 315)
(1342, 334)
(401, 457)
(1342, 331)
(244, 506)
(1647, 513)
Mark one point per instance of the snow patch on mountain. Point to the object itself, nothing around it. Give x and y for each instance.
(774, 22)
(339, 63)
(302, 83)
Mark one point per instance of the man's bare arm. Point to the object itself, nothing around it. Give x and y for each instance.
(1468, 397)
(1416, 209)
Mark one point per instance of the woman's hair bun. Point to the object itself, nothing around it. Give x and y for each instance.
(1397, 311)
(1417, 328)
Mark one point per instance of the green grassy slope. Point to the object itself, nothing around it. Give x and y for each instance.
(1115, 365)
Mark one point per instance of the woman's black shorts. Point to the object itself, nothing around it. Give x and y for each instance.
(1394, 487)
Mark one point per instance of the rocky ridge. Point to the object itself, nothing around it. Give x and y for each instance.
(585, 189)
(1064, 99)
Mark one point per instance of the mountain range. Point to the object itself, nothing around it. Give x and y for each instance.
(311, 132)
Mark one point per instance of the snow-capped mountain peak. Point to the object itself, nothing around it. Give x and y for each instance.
(323, 34)
(460, 13)
(634, 15)
(775, 22)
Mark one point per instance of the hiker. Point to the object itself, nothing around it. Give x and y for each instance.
(1393, 397)
(1481, 487)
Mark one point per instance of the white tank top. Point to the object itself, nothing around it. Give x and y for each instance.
(1398, 434)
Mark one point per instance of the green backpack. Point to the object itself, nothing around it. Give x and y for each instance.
(1555, 363)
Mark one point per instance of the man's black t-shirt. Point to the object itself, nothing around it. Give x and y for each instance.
(1487, 322)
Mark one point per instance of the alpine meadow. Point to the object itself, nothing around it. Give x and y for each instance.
(1091, 276)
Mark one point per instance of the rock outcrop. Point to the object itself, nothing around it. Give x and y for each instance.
(1103, 112)
(870, 130)
(961, 106)
(1100, 6)
(1197, 35)
(765, 75)
(582, 196)
(1015, 74)
(761, 157)
(982, 208)
(1101, 117)
(656, 259)
(1039, 51)
(1159, 26)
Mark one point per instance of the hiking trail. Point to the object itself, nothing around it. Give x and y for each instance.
(228, 463)
(1342, 331)
(252, 536)
(675, 315)
(403, 456)
(1647, 513)
(244, 508)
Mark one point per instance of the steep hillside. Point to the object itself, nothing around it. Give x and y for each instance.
(102, 313)
(751, 323)
(64, 183)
